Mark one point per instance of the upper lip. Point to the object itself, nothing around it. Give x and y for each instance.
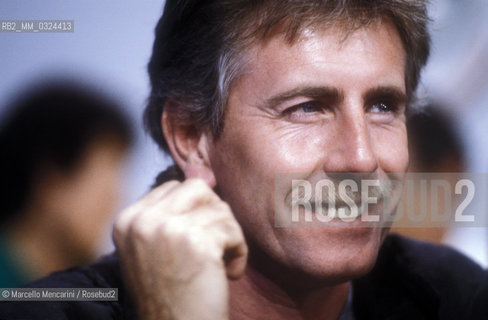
(337, 204)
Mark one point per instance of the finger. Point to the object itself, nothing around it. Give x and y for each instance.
(170, 198)
(219, 221)
(191, 194)
(159, 192)
(160, 204)
(125, 219)
(235, 260)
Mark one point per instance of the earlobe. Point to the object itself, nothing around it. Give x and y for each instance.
(189, 148)
(198, 164)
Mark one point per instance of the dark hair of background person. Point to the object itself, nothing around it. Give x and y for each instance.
(200, 48)
(434, 143)
(434, 147)
(51, 126)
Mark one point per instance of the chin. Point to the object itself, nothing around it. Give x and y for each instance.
(333, 268)
(329, 256)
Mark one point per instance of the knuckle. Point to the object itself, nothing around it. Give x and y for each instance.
(165, 188)
(164, 230)
(224, 213)
(117, 236)
(122, 222)
(140, 230)
(168, 184)
(196, 184)
(224, 206)
(203, 246)
(232, 230)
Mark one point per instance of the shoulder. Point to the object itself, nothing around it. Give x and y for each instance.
(424, 279)
(103, 274)
(434, 262)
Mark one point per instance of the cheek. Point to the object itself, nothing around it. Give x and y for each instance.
(268, 149)
(245, 163)
(301, 149)
(391, 148)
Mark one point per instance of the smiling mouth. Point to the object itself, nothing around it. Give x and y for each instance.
(342, 210)
(334, 211)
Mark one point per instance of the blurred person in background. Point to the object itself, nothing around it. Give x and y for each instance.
(434, 144)
(63, 149)
(434, 147)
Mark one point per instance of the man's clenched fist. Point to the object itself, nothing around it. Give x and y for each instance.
(178, 245)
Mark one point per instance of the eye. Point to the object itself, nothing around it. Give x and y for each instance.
(309, 107)
(382, 107)
(386, 110)
(309, 111)
(306, 107)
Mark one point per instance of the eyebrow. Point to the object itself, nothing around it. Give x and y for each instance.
(328, 93)
(386, 92)
(335, 95)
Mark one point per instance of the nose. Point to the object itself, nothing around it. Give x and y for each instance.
(352, 149)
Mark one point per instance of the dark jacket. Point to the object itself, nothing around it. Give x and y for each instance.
(411, 280)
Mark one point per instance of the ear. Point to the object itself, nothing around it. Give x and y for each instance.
(189, 147)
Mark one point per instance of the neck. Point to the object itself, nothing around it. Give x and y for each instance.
(257, 297)
(37, 245)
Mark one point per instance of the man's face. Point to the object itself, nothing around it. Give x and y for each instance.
(326, 103)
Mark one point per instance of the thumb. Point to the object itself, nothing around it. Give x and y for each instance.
(235, 260)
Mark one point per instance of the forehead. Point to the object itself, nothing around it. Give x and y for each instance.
(329, 56)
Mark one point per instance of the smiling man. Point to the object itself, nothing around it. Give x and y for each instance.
(242, 92)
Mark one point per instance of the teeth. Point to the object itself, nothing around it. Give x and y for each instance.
(341, 212)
